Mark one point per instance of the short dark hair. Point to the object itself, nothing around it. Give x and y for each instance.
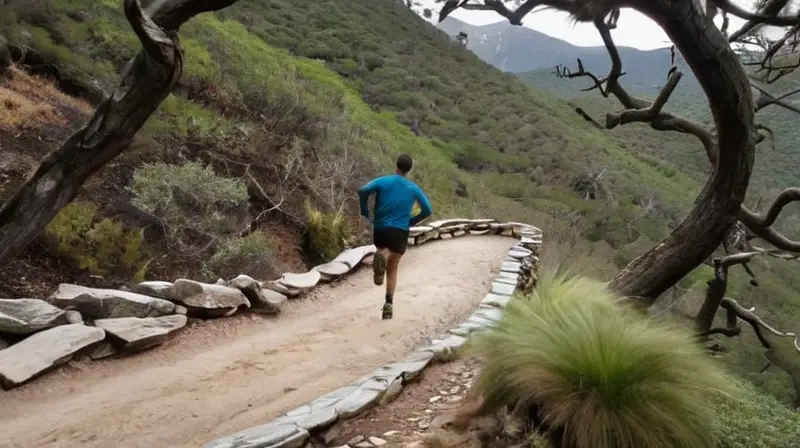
(404, 163)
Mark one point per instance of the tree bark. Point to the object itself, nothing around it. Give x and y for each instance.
(146, 82)
(725, 83)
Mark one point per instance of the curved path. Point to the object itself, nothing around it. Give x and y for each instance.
(221, 376)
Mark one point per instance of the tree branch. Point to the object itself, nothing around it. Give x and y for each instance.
(767, 18)
(146, 82)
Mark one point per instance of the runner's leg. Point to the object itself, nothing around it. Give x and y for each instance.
(379, 260)
(395, 252)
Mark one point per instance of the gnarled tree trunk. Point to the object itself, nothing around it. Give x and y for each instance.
(147, 81)
(717, 68)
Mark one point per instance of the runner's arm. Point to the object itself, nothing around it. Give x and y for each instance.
(364, 194)
(424, 205)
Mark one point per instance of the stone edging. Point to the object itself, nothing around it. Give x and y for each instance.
(295, 428)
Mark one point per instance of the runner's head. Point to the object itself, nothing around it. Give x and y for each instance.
(404, 164)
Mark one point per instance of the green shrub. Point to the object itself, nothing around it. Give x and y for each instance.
(328, 233)
(100, 246)
(194, 202)
(252, 255)
(611, 377)
(754, 420)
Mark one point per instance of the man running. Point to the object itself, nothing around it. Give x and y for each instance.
(395, 196)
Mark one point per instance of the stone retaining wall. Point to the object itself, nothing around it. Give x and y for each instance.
(296, 428)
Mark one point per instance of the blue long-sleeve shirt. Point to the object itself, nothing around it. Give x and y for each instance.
(394, 197)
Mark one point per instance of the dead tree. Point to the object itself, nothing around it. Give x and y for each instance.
(730, 145)
(147, 81)
(718, 217)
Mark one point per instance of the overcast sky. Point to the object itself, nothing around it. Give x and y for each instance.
(633, 30)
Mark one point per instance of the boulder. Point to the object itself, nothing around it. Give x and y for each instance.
(103, 350)
(333, 269)
(300, 281)
(43, 351)
(263, 301)
(207, 300)
(95, 303)
(159, 289)
(282, 289)
(352, 257)
(133, 334)
(26, 316)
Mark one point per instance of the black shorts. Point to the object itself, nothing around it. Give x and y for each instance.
(392, 238)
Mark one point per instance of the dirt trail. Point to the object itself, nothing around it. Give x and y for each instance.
(220, 376)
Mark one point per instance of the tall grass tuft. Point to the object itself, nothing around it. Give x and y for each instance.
(605, 374)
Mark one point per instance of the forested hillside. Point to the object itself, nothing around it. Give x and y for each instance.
(284, 109)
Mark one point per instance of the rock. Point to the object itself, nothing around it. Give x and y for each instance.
(511, 266)
(352, 257)
(276, 434)
(434, 399)
(496, 300)
(102, 350)
(364, 444)
(263, 301)
(446, 349)
(74, 317)
(391, 433)
(282, 289)
(377, 441)
(300, 281)
(333, 269)
(95, 303)
(519, 253)
(502, 288)
(26, 316)
(356, 439)
(43, 351)
(133, 334)
(507, 281)
(418, 230)
(207, 300)
(159, 289)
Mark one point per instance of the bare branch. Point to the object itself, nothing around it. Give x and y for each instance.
(763, 226)
(767, 18)
(770, 9)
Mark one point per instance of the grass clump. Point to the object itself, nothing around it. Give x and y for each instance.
(328, 232)
(608, 376)
(98, 245)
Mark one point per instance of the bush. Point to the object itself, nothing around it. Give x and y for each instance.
(102, 246)
(607, 375)
(327, 234)
(194, 202)
(252, 255)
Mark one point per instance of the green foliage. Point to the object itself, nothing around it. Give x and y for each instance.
(328, 232)
(754, 420)
(252, 255)
(191, 199)
(98, 245)
(607, 374)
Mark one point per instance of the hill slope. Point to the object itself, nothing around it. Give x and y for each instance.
(294, 104)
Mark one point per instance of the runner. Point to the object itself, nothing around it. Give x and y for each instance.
(395, 197)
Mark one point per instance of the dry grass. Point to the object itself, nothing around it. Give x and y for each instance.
(28, 102)
(609, 376)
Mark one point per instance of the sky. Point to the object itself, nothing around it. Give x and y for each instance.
(633, 29)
